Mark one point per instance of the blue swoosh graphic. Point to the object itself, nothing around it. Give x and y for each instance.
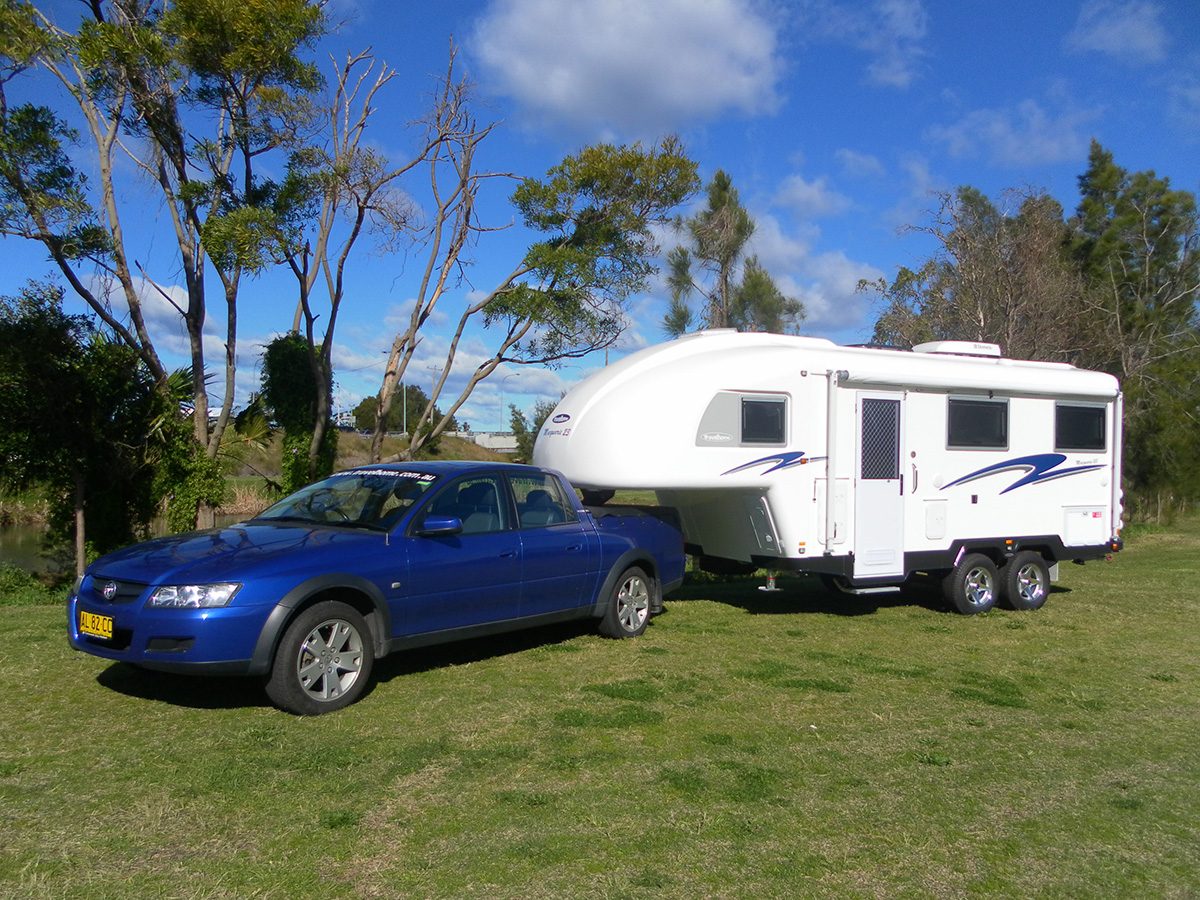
(782, 461)
(1038, 467)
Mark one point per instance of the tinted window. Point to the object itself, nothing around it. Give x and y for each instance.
(1079, 427)
(540, 500)
(479, 502)
(762, 421)
(975, 424)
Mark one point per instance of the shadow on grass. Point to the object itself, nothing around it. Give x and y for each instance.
(211, 692)
(796, 596)
(800, 595)
(192, 691)
(473, 650)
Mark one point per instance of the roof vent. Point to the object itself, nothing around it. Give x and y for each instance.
(959, 348)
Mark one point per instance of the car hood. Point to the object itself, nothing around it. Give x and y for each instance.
(232, 553)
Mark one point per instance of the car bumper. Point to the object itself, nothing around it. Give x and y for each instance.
(210, 641)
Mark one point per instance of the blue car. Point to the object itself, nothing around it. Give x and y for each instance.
(370, 561)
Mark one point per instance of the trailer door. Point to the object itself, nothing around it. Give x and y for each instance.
(879, 488)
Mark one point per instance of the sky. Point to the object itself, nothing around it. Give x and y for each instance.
(839, 123)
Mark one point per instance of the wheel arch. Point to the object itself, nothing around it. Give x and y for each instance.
(624, 562)
(356, 592)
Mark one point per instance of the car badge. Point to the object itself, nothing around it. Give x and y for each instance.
(109, 590)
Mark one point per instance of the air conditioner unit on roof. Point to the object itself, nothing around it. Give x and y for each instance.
(959, 348)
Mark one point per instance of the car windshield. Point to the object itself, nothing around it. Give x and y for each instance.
(365, 498)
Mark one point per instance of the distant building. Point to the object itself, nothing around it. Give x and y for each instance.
(500, 441)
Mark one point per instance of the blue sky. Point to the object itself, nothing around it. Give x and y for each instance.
(836, 120)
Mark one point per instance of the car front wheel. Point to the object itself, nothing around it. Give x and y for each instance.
(323, 661)
(628, 610)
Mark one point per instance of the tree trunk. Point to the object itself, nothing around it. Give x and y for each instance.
(80, 533)
(324, 407)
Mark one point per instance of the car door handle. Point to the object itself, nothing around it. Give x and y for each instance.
(574, 547)
(508, 554)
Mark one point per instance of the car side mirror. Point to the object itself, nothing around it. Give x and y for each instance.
(440, 526)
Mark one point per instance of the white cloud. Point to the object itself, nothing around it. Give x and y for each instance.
(1185, 102)
(1132, 31)
(891, 32)
(775, 248)
(859, 165)
(918, 196)
(811, 199)
(826, 282)
(1026, 134)
(828, 287)
(629, 66)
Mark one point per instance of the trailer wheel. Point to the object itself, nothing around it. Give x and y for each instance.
(628, 610)
(1026, 581)
(972, 585)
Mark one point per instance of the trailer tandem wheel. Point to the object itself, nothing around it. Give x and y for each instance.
(972, 585)
(1026, 581)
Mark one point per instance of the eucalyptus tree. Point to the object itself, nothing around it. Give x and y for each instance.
(341, 187)
(593, 216)
(187, 96)
(1000, 275)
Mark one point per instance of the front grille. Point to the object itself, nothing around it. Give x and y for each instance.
(123, 591)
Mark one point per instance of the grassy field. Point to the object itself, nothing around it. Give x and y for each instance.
(749, 745)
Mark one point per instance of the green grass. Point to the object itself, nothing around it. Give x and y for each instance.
(748, 745)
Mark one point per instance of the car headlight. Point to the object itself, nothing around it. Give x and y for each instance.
(192, 596)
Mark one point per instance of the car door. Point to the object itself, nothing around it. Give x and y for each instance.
(471, 577)
(558, 551)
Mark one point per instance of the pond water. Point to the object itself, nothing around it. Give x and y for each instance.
(21, 545)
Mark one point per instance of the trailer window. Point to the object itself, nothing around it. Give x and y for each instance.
(977, 424)
(1079, 427)
(762, 421)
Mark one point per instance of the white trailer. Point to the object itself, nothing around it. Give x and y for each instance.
(863, 465)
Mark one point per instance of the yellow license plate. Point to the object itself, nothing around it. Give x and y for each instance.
(97, 626)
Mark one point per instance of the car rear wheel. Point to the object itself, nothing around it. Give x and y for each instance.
(628, 610)
(323, 661)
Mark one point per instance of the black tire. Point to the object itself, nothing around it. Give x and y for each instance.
(629, 605)
(1025, 581)
(972, 586)
(323, 661)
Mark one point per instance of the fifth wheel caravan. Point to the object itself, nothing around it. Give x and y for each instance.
(862, 465)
